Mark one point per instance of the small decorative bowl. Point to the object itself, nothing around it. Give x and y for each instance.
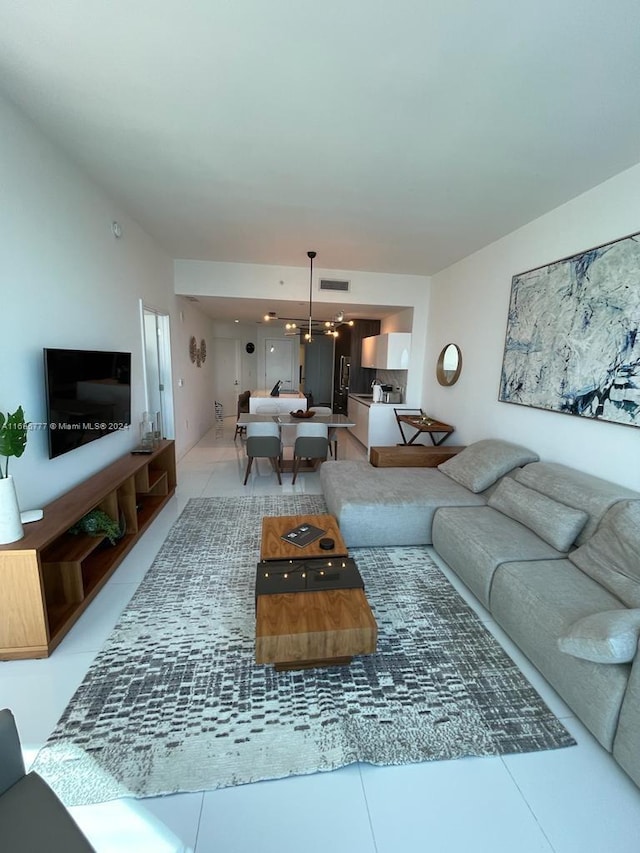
(302, 413)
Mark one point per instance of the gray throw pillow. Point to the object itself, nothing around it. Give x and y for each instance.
(609, 637)
(612, 555)
(556, 523)
(479, 466)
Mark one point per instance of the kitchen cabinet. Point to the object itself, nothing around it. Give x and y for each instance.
(359, 414)
(360, 380)
(375, 423)
(387, 352)
(348, 344)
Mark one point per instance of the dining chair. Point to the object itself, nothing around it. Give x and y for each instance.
(333, 432)
(312, 442)
(287, 431)
(263, 440)
(243, 409)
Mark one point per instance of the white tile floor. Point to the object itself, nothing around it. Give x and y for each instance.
(565, 800)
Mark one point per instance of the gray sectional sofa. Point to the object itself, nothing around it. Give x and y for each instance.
(552, 552)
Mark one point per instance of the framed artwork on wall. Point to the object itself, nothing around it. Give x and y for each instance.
(572, 343)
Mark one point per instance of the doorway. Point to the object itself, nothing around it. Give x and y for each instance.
(156, 362)
(226, 373)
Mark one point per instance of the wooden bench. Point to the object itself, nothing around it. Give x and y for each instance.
(411, 455)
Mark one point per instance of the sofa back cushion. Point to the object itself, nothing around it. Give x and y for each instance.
(612, 555)
(577, 489)
(556, 523)
(479, 466)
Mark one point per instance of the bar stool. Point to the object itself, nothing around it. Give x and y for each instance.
(243, 409)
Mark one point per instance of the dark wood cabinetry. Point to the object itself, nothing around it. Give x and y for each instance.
(361, 377)
(349, 345)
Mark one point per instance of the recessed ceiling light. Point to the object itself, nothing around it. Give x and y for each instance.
(236, 321)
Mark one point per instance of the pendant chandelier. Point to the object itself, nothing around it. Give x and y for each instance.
(308, 336)
(326, 327)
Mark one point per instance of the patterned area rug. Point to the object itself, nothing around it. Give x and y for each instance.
(174, 701)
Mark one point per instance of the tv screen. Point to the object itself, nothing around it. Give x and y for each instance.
(88, 396)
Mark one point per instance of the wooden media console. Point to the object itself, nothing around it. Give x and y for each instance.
(50, 576)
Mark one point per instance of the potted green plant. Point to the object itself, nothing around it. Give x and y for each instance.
(97, 523)
(13, 441)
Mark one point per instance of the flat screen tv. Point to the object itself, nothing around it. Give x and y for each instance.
(88, 396)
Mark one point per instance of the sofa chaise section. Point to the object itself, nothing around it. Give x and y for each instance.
(395, 506)
(388, 506)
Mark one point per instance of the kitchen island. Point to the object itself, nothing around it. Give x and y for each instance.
(286, 402)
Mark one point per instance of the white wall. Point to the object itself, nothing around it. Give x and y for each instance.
(245, 333)
(261, 281)
(66, 282)
(193, 386)
(469, 303)
(400, 322)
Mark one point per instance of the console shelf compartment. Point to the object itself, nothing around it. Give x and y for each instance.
(50, 576)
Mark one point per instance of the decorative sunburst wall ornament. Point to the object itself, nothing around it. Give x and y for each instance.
(197, 354)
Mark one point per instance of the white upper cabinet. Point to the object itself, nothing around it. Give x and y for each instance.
(387, 352)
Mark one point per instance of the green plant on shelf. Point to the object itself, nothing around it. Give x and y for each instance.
(98, 523)
(13, 437)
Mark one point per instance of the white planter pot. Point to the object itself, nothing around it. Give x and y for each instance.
(10, 524)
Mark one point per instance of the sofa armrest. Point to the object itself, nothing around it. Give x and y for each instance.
(11, 761)
(626, 744)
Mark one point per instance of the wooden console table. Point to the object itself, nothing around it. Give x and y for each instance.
(49, 577)
(422, 424)
(412, 455)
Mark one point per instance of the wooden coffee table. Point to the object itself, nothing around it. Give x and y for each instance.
(306, 629)
(272, 547)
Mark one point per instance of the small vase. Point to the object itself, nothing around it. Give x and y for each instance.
(146, 431)
(10, 524)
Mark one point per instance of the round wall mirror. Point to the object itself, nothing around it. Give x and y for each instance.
(449, 365)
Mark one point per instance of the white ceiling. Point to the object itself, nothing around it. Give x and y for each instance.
(392, 136)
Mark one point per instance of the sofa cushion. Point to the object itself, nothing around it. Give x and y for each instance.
(474, 541)
(538, 602)
(612, 555)
(609, 637)
(479, 466)
(575, 488)
(556, 523)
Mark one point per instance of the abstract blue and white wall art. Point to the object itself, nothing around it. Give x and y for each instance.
(573, 340)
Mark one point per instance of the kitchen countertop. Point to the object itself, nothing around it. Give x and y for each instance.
(367, 400)
(263, 394)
